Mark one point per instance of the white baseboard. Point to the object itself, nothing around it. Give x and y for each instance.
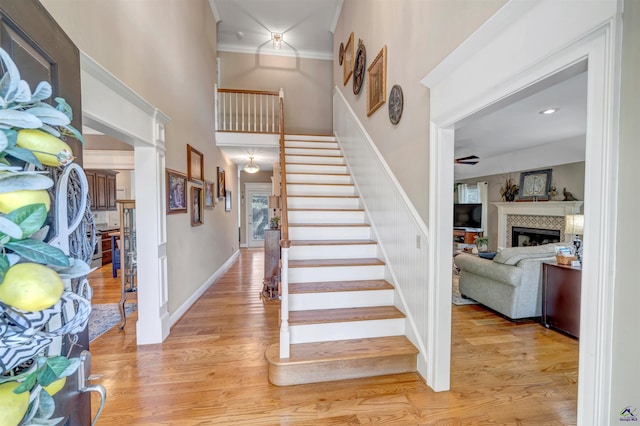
(175, 316)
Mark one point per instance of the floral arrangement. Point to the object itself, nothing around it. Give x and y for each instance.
(35, 274)
(509, 189)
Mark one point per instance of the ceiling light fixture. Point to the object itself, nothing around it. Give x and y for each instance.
(251, 167)
(276, 38)
(548, 111)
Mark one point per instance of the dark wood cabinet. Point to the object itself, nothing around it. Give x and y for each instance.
(561, 285)
(102, 189)
(107, 253)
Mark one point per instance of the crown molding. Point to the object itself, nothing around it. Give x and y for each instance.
(306, 54)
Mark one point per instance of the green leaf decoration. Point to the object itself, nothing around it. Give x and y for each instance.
(27, 384)
(37, 251)
(10, 228)
(52, 131)
(40, 234)
(23, 93)
(43, 91)
(30, 181)
(49, 115)
(12, 118)
(11, 76)
(4, 143)
(4, 266)
(77, 269)
(74, 363)
(12, 137)
(64, 107)
(29, 218)
(13, 258)
(52, 370)
(73, 132)
(46, 407)
(24, 155)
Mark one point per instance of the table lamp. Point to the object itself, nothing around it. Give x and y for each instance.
(574, 225)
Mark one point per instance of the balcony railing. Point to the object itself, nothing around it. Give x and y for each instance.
(248, 111)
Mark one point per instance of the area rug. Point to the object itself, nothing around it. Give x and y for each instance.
(456, 297)
(106, 316)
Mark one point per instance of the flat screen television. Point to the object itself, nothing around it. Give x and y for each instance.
(467, 215)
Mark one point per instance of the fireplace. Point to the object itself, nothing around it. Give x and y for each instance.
(523, 237)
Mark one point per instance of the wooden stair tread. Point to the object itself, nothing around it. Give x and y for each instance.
(334, 286)
(313, 147)
(325, 210)
(334, 262)
(320, 184)
(318, 174)
(326, 316)
(343, 350)
(327, 225)
(322, 196)
(315, 164)
(330, 242)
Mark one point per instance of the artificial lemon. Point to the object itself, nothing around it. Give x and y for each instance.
(31, 287)
(12, 405)
(10, 201)
(50, 150)
(55, 387)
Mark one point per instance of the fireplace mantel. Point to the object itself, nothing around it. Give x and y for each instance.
(540, 208)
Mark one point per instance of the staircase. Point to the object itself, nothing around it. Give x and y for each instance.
(343, 322)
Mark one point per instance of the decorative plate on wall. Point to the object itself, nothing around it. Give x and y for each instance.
(359, 68)
(396, 104)
(341, 54)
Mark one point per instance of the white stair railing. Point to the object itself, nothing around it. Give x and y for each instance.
(248, 111)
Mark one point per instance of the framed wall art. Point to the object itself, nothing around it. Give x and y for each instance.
(341, 54)
(377, 82)
(396, 104)
(176, 185)
(359, 68)
(195, 165)
(534, 185)
(221, 183)
(347, 61)
(227, 201)
(197, 205)
(209, 201)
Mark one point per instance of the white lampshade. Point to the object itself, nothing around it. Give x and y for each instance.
(251, 167)
(574, 224)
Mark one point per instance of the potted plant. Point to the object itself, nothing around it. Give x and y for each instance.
(275, 220)
(482, 243)
(509, 189)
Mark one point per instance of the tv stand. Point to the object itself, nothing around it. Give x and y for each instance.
(465, 235)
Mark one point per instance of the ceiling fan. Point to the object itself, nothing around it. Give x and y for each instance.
(470, 160)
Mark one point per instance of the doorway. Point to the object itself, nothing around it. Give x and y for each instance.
(257, 211)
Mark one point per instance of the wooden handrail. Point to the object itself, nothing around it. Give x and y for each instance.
(250, 92)
(283, 178)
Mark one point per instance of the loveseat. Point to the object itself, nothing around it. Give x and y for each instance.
(510, 283)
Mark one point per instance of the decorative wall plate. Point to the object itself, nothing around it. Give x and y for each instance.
(341, 54)
(396, 104)
(359, 68)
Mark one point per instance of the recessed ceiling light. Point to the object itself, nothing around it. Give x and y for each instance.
(548, 111)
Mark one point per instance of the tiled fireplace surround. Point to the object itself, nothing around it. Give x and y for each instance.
(542, 215)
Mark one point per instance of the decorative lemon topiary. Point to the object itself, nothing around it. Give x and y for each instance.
(12, 405)
(9, 201)
(31, 287)
(50, 150)
(56, 386)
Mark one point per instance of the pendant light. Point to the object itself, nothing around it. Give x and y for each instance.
(251, 167)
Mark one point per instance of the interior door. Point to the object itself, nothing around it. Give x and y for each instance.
(257, 208)
(42, 51)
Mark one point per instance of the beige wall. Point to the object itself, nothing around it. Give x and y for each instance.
(570, 176)
(260, 177)
(165, 51)
(626, 344)
(418, 35)
(307, 85)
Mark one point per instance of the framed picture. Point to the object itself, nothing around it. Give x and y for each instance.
(347, 60)
(227, 201)
(359, 68)
(208, 194)
(197, 205)
(377, 82)
(221, 183)
(195, 165)
(535, 185)
(176, 184)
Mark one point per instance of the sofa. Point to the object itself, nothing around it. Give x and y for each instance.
(511, 283)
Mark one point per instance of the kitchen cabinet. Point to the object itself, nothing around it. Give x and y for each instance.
(102, 189)
(561, 288)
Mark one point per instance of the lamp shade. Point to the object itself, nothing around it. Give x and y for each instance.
(574, 224)
(251, 167)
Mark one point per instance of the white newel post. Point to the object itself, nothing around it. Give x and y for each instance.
(284, 303)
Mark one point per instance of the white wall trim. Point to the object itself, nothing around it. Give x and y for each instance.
(549, 37)
(336, 17)
(179, 313)
(113, 159)
(306, 54)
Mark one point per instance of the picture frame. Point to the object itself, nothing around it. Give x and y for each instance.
(209, 199)
(535, 185)
(347, 61)
(197, 205)
(359, 68)
(176, 191)
(377, 82)
(195, 165)
(221, 183)
(227, 201)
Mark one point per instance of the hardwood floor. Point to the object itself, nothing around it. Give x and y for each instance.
(211, 370)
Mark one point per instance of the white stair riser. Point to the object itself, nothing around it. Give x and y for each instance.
(322, 203)
(317, 178)
(313, 151)
(312, 168)
(291, 137)
(336, 190)
(329, 233)
(312, 144)
(312, 160)
(333, 216)
(346, 330)
(355, 251)
(336, 273)
(339, 300)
